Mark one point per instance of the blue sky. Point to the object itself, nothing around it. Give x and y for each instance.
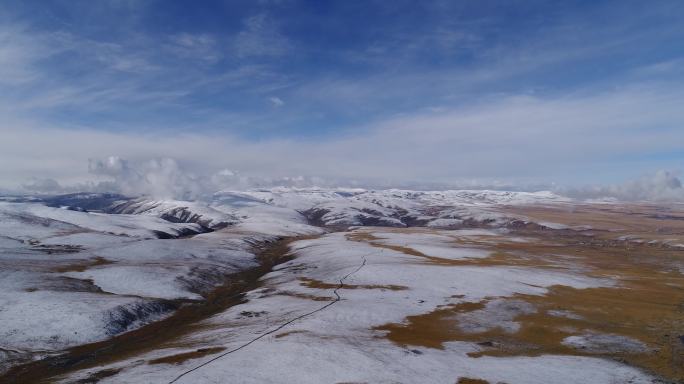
(398, 91)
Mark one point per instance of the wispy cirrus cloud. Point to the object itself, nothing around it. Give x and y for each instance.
(260, 37)
(201, 47)
(20, 54)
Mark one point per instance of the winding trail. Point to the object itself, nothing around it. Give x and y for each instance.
(281, 326)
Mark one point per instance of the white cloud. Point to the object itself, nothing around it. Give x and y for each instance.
(161, 178)
(276, 101)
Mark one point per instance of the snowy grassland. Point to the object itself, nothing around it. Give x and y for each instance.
(340, 344)
(85, 271)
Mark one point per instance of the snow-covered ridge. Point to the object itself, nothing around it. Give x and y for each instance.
(393, 207)
(305, 197)
(175, 211)
(326, 207)
(36, 221)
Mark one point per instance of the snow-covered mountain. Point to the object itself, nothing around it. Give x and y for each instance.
(395, 208)
(324, 207)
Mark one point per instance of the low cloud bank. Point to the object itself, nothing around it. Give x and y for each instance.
(166, 178)
(659, 186)
(162, 178)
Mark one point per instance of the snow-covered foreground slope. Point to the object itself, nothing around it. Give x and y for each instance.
(70, 277)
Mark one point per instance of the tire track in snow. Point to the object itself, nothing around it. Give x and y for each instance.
(281, 326)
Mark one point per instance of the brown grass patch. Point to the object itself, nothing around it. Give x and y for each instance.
(468, 380)
(99, 375)
(288, 333)
(430, 330)
(317, 284)
(83, 266)
(182, 357)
